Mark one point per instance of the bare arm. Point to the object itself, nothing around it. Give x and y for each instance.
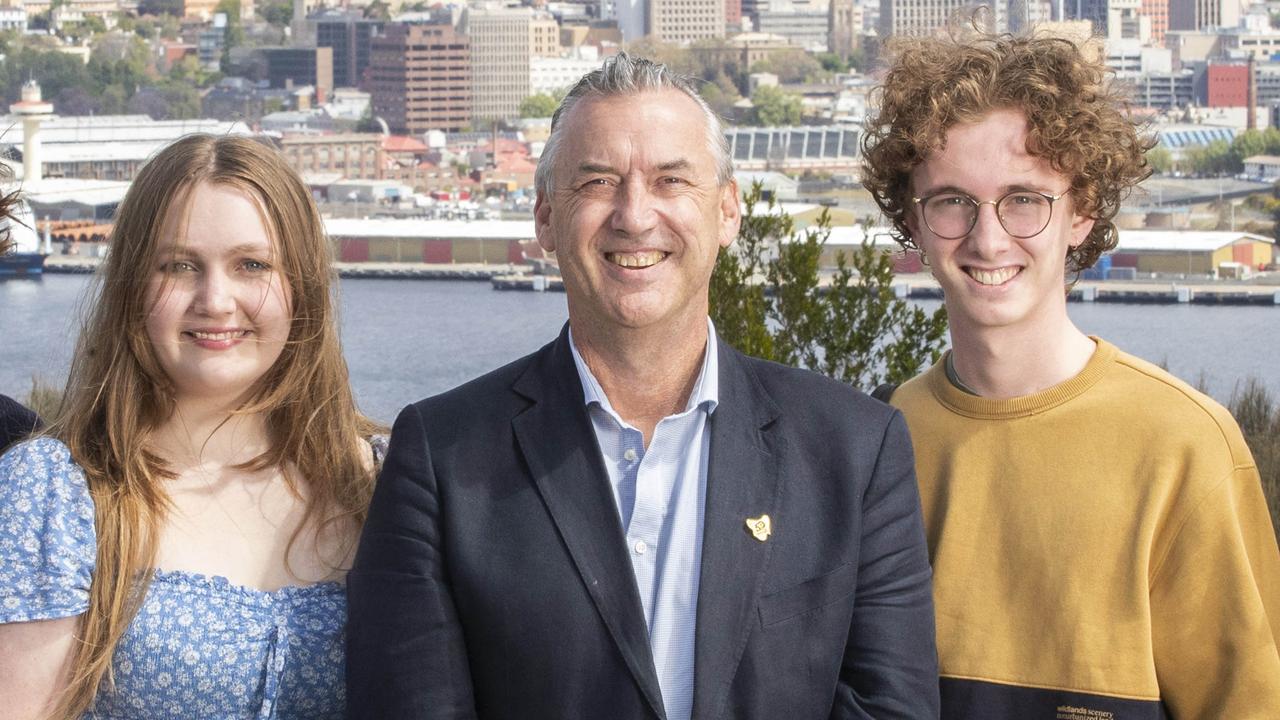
(35, 658)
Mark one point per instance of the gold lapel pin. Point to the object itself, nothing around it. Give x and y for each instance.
(760, 527)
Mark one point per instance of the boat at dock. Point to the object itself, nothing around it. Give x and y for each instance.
(26, 260)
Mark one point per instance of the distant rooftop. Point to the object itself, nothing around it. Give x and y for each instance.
(117, 128)
(1183, 240)
(418, 228)
(1178, 136)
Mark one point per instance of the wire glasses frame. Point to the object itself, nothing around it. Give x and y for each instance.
(1022, 213)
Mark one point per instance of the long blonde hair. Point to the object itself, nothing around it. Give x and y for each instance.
(117, 394)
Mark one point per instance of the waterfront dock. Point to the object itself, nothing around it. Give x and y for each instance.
(72, 264)
(915, 286)
(1200, 292)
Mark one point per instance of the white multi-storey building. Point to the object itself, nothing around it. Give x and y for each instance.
(501, 48)
(923, 17)
(547, 75)
(683, 21)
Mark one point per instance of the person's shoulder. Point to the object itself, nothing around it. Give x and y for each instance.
(16, 421)
(41, 472)
(796, 390)
(41, 456)
(48, 542)
(1174, 410)
(479, 394)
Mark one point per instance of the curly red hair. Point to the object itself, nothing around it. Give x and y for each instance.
(1076, 121)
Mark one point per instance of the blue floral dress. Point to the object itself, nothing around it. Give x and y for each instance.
(199, 646)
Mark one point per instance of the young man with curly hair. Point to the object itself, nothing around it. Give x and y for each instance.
(1099, 537)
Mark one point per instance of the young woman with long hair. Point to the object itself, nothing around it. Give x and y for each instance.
(174, 545)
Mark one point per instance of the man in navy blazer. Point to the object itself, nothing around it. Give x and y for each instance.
(637, 521)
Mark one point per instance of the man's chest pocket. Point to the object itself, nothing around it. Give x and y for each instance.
(810, 595)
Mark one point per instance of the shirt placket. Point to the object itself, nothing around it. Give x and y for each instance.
(644, 533)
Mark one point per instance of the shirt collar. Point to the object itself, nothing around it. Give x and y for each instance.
(706, 391)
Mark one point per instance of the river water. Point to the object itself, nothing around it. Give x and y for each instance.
(407, 339)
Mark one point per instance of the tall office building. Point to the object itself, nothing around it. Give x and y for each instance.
(844, 23)
(1203, 14)
(733, 14)
(420, 78)
(923, 17)
(501, 45)
(1024, 15)
(683, 21)
(1158, 12)
(544, 36)
(1115, 19)
(351, 37)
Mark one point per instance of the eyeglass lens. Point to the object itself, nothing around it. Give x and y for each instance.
(1022, 214)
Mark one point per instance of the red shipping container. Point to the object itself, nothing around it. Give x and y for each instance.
(437, 251)
(353, 250)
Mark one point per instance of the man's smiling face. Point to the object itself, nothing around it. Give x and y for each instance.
(636, 215)
(991, 278)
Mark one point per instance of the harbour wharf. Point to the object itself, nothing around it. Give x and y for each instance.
(1200, 292)
(914, 286)
(70, 264)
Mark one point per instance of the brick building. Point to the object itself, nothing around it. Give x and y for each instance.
(354, 156)
(420, 78)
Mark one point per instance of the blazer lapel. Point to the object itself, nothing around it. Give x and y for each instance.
(559, 445)
(742, 482)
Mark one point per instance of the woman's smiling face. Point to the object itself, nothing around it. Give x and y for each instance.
(219, 312)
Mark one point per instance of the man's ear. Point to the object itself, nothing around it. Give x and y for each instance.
(1081, 226)
(912, 222)
(730, 213)
(542, 222)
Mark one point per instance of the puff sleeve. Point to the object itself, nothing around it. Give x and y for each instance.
(47, 541)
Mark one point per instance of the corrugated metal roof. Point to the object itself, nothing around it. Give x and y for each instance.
(50, 191)
(429, 229)
(1182, 240)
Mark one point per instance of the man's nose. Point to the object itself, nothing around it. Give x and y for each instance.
(988, 236)
(634, 213)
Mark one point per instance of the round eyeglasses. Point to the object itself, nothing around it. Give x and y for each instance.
(1022, 213)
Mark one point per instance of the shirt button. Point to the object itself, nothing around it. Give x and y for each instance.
(640, 547)
(630, 455)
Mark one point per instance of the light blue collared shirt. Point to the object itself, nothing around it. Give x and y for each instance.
(661, 494)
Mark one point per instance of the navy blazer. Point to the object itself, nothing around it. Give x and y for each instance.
(16, 422)
(492, 578)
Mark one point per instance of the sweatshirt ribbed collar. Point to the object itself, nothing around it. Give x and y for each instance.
(974, 406)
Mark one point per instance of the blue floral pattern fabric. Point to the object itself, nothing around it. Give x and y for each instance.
(199, 647)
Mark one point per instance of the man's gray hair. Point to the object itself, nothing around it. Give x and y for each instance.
(625, 75)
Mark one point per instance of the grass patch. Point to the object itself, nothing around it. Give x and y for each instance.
(44, 398)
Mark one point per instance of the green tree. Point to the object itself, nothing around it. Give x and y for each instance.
(278, 13)
(93, 25)
(1247, 144)
(719, 98)
(831, 62)
(767, 300)
(774, 106)
(539, 105)
(1160, 159)
(1216, 158)
(792, 66)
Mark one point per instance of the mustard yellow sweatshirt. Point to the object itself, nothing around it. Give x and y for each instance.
(1101, 549)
